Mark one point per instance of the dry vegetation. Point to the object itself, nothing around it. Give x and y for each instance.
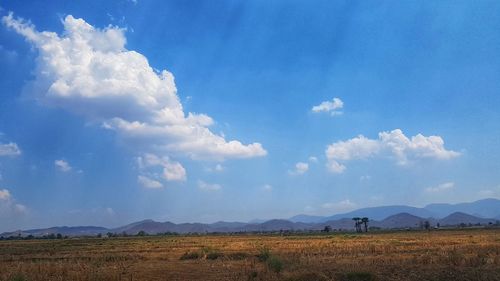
(437, 255)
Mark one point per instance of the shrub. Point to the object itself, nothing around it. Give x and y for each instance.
(237, 256)
(264, 254)
(252, 275)
(18, 277)
(213, 255)
(275, 264)
(190, 256)
(307, 276)
(359, 276)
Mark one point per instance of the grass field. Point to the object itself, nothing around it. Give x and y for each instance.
(435, 255)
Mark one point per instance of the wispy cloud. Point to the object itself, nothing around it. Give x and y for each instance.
(267, 187)
(216, 169)
(148, 182)
(300, 169)
(447, 186)
(333, 107)
(170, 170)
(9, 207)
(313, 159)
(344, 205)
(9, 149)
(62, 165)
(208, 186)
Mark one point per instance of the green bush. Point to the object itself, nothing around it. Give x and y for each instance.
(264, 254)
(275, 264)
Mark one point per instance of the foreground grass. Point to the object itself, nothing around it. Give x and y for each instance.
(439, 255)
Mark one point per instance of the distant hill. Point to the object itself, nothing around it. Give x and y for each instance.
(486, 208)
(307, 218)
(149, 226)
(63, 230)
(401, 220)
(380, 213)
(387, 217)
(345, 224)
(458, 218)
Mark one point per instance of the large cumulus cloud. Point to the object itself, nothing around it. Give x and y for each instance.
(89, 71)
(393, 144)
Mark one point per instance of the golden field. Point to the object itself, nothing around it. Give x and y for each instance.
(412, 255)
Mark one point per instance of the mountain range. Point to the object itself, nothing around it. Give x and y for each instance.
(485, 208)
(482, 212)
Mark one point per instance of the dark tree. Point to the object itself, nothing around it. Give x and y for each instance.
(327, 228)
(357, 223)
(365, 221)
(427, 225)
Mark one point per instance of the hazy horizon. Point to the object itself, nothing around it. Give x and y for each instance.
(203, 111)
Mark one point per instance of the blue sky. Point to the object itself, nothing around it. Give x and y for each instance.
(235, 110)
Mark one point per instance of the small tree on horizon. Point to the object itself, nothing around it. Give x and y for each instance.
(365, 221)
(357, 223)
(427, 225)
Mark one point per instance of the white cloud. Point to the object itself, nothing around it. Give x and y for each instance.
(335, 167)
(62, 165)
(300, 169)
(109, 211)
(344, 205)
(393, 143)
(365, 178)
(8, 206)
(88, 71)
(171, 170)
(149, 183)
(418, 146)
(309, 209)
(376, 198)
(486, 193)
(218, 169)
(208, 186)
(267, 187)
(313, 159)
(330, 106)
(490, 193)
(9, 149)
(441, 187)
(4, 194)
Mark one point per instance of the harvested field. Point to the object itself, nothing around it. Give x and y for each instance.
(435, 255)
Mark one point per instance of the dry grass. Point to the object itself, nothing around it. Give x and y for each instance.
(439, 255)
